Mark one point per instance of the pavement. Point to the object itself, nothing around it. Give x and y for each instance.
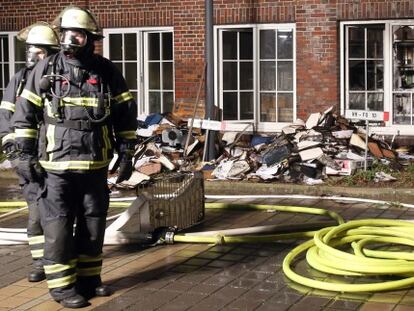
(203, 276)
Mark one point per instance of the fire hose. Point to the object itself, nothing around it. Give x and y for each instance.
(325, 248)
(323, 255)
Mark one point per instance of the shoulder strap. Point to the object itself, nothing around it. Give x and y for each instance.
(22, 82)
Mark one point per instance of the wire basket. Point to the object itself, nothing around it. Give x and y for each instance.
(175, 200)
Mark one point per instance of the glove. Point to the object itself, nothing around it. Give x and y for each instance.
(29, 168)
(10, 150)
(125, 168)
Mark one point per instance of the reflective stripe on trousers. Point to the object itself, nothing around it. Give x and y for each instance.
(67, 197)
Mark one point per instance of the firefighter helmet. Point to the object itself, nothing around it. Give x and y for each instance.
(74, 17)
(41, 40)
(39, 33)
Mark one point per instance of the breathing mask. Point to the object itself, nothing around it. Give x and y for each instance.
(73, 41)
(34, 54)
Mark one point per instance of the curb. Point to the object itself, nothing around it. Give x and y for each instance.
(252, 188)
(225, 187)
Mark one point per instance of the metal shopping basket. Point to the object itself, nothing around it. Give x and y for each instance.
(172, 200)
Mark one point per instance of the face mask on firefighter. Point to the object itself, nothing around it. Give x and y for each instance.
(34, 54)
(73, 40)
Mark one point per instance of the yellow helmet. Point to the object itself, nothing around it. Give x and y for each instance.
(79, 18)
(39, 33)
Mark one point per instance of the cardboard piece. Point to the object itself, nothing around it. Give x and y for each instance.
(310, 154)
(313, 120)
(357, 141)
(375, 150)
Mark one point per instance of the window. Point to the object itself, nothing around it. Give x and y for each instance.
(4, 63)
(403, 79)
(365, 63)
(123, 53)
(145, 58)
(159, 73)
(12, 58)
(237, 64)
(377, 66)
(255, 74)
(19, 55)
(276, 75)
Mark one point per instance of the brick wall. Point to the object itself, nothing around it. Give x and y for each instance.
(316, 24)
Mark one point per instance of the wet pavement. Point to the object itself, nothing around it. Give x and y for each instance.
(201, 276)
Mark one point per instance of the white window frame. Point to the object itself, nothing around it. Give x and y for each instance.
(11, 35)
(389, 128)
(142, 64)
(218, 55)
(218, 84)
(161, 61)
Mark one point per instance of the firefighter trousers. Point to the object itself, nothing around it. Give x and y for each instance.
(73, 255)
(31, 191)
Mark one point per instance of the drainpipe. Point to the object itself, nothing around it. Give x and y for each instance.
(209, 86)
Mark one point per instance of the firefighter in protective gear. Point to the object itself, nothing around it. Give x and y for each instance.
(41, 40)
(87, 111)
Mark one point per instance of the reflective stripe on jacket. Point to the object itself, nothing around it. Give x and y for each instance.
(69, 140)
(8, 105)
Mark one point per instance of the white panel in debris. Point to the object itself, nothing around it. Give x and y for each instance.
(311, 154)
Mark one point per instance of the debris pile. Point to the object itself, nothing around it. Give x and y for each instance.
(303, 152)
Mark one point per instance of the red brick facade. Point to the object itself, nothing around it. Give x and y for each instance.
(317, 37)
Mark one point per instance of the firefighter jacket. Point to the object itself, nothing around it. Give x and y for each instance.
(8, 105)
(84, 115)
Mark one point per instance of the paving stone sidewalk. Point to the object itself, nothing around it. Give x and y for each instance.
(206, 277)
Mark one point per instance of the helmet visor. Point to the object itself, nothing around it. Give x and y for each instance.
(34, 54)
(73, 38)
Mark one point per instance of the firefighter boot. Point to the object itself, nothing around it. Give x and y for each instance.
(92, 286)
(36, 275)
(74, 302)
(102, 291)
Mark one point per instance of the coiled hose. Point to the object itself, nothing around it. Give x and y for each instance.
(325, 251)
(323, 255)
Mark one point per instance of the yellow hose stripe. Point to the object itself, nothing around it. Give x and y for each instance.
(61, 282)
(25, 133)
(32, 97)
(123, 97)
(8, 106)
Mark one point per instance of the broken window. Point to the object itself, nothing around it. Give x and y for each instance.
(403, 79)
(377, 60)
(365, 67)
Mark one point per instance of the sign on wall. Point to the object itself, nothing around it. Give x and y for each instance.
(366, 115)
